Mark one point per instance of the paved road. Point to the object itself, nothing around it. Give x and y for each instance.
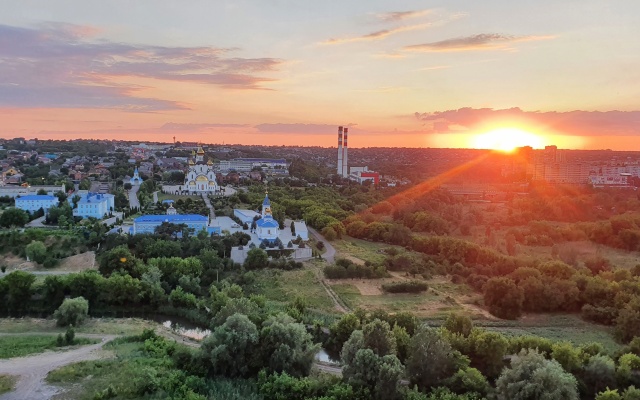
(155, 196)
(212, 212)
(133, 197)
(37, 223)
(328, 255)
(32, 370)
(112, 220)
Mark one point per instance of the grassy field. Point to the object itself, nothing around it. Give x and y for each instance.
(23, 345)
(285, 286)
(6, 383)
(132, 374)
(557, 327)
(115, 326)
(362, 249)
(175, 197)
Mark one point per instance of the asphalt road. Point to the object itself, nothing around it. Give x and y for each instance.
(133, 197)
(328, 255)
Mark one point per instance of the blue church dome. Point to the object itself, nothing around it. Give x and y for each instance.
(266, 201)
(267, 222)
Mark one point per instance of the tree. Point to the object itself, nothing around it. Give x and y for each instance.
(431, 359)
(469, 380)
(532, 377)
(72, 312)
(503, 298)
(379, 338)
(36, 251)
(14, 217)
(118, 259)
(286, 346)
(599, 373)
(293, 228)
(340, 332)
(231, 347)
(628, 365)
(567, 355)
(365, 369)
(18, 288)
(460, 324)
(486, 351)
(257, 258)
(127, 186)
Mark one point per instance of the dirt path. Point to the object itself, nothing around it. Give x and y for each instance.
(330, 253)
(32, 370)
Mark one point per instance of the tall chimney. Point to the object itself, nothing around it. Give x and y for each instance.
(345, 156)
(340, 150)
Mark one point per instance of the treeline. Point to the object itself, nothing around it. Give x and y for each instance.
(621, 231)
(378, 350)
(347, 269)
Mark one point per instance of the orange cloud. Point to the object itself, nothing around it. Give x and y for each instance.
(483, 41)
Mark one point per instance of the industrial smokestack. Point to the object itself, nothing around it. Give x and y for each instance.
(345, 156)
(340, 150)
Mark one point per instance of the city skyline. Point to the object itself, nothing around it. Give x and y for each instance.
(407, 74)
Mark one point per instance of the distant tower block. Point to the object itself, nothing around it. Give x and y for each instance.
(345, 156)
(339, 151)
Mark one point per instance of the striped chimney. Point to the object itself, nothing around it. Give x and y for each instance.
(339, 150)
(345, 156)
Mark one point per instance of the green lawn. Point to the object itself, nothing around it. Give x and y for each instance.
(175, 197)
(426, 303)
(23, 345)
(362, 249)
(116, 326)
(285, 286)
(557, 327)
(6, 383)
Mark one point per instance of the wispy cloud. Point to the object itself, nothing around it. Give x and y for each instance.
(61, 65)
(483, 41)
(377, 35)
(435, 68)
(395, 16)
(578, 123)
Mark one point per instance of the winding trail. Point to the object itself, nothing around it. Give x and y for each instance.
(328, 256)
(32, 370)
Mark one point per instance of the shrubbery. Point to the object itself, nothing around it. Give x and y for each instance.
(405, 287)
(347, 269)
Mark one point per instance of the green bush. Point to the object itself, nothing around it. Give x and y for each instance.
(72, 312)
(405, 287)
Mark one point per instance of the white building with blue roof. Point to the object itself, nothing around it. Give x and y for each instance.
(96, 205)
(35, 202)
(267, 228)
(149, 223)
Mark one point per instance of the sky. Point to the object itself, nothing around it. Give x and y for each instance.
(288, 72)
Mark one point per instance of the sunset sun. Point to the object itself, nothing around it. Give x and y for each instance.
(507, 139)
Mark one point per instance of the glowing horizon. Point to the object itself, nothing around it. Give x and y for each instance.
(255, 73)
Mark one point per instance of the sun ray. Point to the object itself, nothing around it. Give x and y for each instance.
(507, 139)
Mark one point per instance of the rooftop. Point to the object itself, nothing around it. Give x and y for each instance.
(178, 218)
(37, 197)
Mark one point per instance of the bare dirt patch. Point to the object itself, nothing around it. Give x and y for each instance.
(79, 262)
(366, 287)
(14, 262)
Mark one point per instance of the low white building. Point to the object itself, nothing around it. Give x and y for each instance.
(14, 190)
(35, 202)
(246, 216)
(95, 205)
